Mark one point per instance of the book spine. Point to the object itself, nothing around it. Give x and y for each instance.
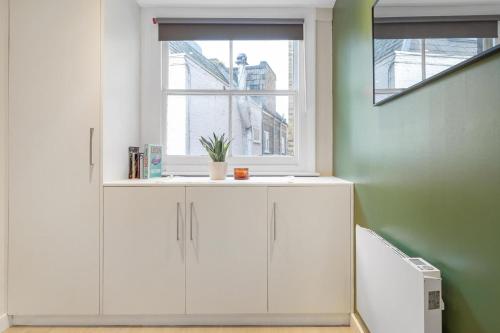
(133, 162)
(141, 165)
(146, 162)
(130, 165)
(137, 166)
(134, 165)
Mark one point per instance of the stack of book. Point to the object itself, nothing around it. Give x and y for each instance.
(145, 164)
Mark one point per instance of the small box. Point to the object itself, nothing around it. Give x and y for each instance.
(152, 161)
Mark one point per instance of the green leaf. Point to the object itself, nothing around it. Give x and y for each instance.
(216, 146)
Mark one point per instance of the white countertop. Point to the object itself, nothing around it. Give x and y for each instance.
(253, 181)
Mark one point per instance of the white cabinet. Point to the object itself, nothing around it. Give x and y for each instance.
(226, 267)
(144, 233)
(195, 250)
(54, 81)
(309, 249)
(271, 251)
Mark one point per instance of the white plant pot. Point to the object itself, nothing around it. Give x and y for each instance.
(217, 170)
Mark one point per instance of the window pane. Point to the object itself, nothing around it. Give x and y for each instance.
(263, 125)
(190, 117)
(264, 65)
(398, 63)
(441, 54)
(198, 64)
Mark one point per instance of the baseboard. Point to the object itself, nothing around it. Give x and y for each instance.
(357, 324)
(4, 322)
(185, 320)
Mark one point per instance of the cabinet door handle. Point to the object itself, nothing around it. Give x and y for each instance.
(274, 220)
(178, 208)
(91, 148)
(191, 221)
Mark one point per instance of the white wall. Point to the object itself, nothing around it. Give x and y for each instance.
(4, 56)
(121, 90)
(324, 92)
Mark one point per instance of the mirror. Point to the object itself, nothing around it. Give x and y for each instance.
(417, 41)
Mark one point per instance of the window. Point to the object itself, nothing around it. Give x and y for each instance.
(235, 87)
(408, 50)
(401, 63)
(242, 81)
(256, 135)
(267, 143)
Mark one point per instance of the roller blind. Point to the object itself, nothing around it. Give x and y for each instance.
(170, 29)
(436, 27)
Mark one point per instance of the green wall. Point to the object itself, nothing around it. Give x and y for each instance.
(426, 168)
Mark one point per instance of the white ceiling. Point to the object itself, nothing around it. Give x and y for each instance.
(237, 3)
(438, 2)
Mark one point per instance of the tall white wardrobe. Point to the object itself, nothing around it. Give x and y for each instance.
(54, 135)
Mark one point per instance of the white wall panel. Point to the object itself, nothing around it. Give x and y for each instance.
(4, 64)
(121, 79)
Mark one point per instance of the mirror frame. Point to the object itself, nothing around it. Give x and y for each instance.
(470, 61)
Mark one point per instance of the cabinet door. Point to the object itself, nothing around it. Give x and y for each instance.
(54, 189)
(226, 250)
(309, 249)
(144, 271)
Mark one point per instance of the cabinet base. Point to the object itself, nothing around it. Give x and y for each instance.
(186, 320)
(4, 322)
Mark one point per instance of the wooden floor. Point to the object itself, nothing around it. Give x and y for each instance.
(180, 330)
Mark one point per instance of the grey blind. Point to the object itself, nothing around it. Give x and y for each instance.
(436, 27)
(230, 29)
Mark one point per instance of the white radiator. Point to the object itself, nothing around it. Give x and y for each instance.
(395, 293)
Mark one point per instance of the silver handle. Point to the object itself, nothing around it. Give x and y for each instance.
(91, 148)
(178, 208)
(191, 221)
(274, 220)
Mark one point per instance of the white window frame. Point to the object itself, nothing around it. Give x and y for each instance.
(153, 113)
(282, 145)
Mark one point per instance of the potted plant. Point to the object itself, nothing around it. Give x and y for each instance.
(217, 148)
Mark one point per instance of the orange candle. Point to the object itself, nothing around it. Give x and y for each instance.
(241, 173)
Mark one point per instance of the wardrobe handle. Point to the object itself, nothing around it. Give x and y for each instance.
(191, 221)
(91, 147)
(178, 208)
(274, 220)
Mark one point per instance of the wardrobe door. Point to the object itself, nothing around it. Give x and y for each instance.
(54, 179)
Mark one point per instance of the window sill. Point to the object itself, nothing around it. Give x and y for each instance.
(255, 174)
(230, 181)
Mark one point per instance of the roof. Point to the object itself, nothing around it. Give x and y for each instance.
(193, 51)
(262, 68)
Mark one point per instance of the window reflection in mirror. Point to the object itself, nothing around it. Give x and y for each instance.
(414, 43)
